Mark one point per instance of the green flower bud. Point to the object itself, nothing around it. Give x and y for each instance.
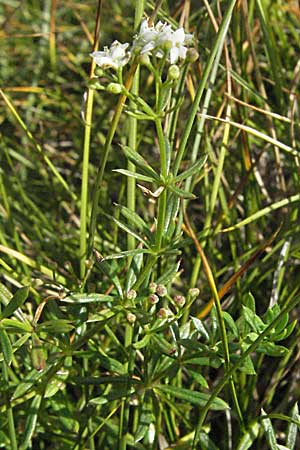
(173, 72)
(152, 287)
(144, 60)
(193, 293)
(114, 88)
(94, 83)
(131, 294)
(192, 55)
(99, 72)
(131, 318)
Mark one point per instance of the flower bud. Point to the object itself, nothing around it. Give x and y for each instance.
(131, 294)
(173, 72)
(99, 72)
(94, 83)
(193, 293)
(153, 299)
(161, 290)
(152, 287)
(131, 318)
(144, 60)
(164, 313)
(179, 300)
(114, 88)
(192, 55)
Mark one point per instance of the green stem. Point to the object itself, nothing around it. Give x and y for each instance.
(10, 417)
(86, 155)
(84, 182)
(100, 173)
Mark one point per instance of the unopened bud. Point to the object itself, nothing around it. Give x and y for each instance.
(131, 294)
(131, 318)
(179, 300)
(161, 290)
(99, 72)
(114, 88)
(152, 287)
(153, 299)
(94, 83)
(193, 293)
(164, 313)
(144, 60)
(192, 55)
(173, 72)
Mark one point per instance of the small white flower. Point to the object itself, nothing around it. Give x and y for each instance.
(144, 41)
(114, 57)
(160, 40)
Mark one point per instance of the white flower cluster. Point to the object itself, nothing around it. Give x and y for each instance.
(159, 40)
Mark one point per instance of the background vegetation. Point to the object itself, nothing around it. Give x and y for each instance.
(89, 359)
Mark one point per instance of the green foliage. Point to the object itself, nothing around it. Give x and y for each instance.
(115, 331)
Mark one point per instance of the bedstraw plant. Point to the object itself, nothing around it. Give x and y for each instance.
(149, 226)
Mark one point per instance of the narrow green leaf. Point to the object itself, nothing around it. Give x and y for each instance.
(135, 220)
(32, 416)
(110, 270)
(16, 326)
(249, 437)
(292, 429)
(192, 397)
(265, 211)
(6, 346)
(140, 162)
(136, 175)
(181, 193)
(127, 253)
(199, 378)
(142, 343)
(269, 432)
(16, 301)
(56, 326)
(196, 167)
(87, 298)
(169, 274)
(128, 230)
(270, 349)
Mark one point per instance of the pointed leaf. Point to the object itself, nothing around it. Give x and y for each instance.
(249, 437)
(292, 429)
(196, 167)
(6, 346)
(15, 302)
(137, 176)
(181, 193)
(269, 432)
(135, 220)
(16, 326)
(192, 397)
(140, 162)
(31, 421)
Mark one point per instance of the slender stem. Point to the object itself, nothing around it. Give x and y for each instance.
(10, 417)
(131, 203)
(86, 155)
(107, 144)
